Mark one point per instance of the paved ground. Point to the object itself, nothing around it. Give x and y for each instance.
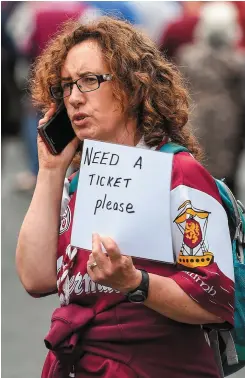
(25, 321)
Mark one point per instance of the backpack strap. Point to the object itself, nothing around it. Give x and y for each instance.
(230, 351)
(173, 148)
(73, 183)
(229, 200)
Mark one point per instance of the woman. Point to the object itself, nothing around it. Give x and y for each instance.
(118, 88)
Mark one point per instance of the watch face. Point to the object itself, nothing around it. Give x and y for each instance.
(137, 297)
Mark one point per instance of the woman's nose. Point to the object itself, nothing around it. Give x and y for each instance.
(76, 97)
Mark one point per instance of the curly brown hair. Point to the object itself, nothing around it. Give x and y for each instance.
(155, 90)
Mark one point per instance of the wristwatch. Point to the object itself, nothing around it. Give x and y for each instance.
(140, 294)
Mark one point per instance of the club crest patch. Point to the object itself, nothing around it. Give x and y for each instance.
(192, 223)
(65, 221)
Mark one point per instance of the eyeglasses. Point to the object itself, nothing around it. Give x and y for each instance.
(86, 83)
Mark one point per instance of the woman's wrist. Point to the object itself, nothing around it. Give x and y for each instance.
(52, 172)
(51, 178)
(134, 282)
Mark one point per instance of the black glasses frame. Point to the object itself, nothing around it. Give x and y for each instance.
(101, 78)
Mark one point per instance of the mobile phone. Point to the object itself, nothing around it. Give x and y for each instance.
(57, 133)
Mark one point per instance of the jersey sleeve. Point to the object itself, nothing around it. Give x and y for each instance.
(201, 238)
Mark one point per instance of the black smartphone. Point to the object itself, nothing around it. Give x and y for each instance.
(57, 132)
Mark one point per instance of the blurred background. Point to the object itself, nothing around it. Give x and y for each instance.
(207, 42)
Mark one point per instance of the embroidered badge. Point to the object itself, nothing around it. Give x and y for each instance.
(65, 221)
(192, 223)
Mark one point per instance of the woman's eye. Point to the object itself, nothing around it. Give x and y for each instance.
(90, 80)
(66, 86)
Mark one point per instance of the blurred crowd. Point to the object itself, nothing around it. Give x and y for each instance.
(205, 39)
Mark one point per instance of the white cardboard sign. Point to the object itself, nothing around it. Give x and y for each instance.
(124, 192)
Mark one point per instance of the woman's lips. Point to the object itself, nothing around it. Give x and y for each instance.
(80, 121)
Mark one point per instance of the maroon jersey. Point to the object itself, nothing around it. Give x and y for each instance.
(97, 332)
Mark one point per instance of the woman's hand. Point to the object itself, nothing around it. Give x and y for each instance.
(112, 269)
(46, 159)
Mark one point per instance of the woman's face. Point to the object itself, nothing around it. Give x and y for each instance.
(104, 119)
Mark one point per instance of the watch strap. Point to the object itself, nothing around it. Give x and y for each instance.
(144, 285)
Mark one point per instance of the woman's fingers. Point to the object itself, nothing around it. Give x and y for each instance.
(97, 252)
(48, 114)
(74, 143)
(111, 248)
